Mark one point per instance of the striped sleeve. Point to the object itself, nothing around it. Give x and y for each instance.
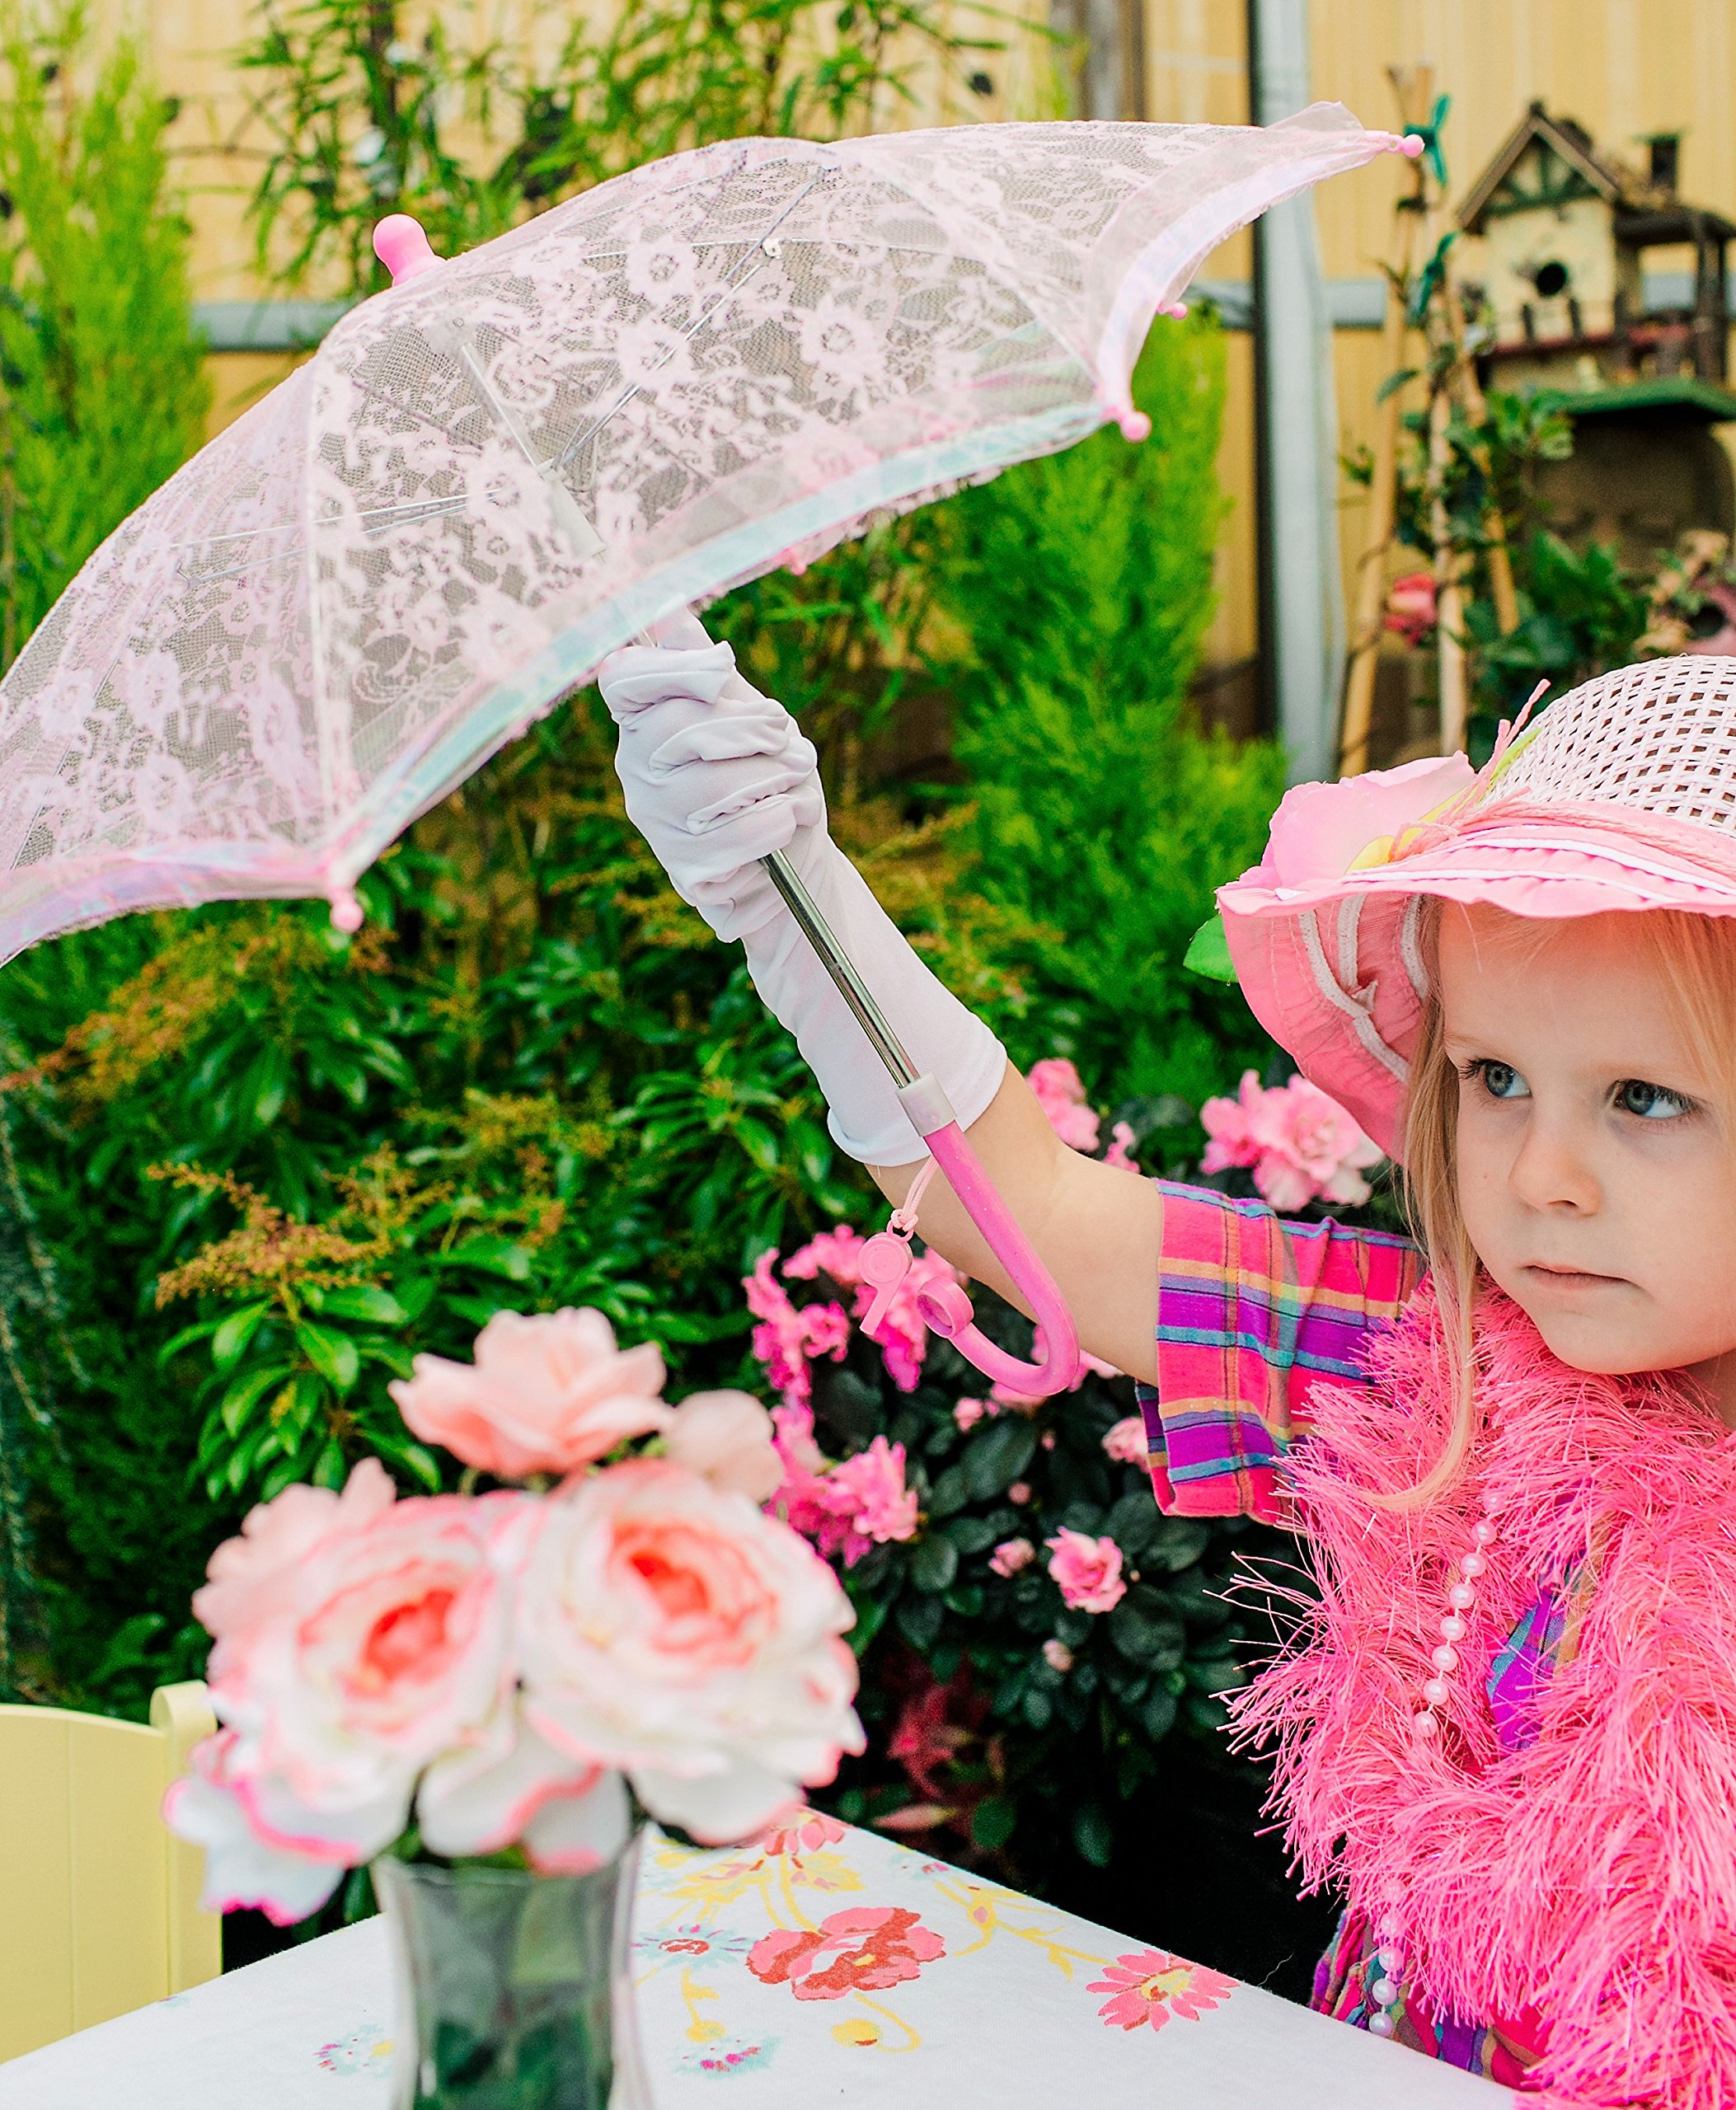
(1252, 1311)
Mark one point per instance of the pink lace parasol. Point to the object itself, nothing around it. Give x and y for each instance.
(496, 472)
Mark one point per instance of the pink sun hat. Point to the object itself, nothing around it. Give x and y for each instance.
(1621, 796)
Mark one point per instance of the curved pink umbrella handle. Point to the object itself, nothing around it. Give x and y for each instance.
(947, 1309)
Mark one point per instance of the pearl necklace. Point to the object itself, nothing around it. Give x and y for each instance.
(1425, 1726)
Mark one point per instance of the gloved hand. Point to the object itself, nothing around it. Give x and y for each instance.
(717, 777)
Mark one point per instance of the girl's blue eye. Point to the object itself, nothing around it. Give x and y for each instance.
(1501, 1080)
(1650, 1102)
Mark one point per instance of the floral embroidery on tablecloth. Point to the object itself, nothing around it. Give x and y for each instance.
(721, 2056)
(1149, 1985)
(865, 1948)
(691, 1943)
(364, 2052)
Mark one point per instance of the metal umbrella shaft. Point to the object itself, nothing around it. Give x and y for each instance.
(837, 964)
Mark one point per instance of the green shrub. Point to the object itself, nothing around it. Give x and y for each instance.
(102, 392)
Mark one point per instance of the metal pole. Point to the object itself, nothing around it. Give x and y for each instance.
(1302, 594)
(851, 986)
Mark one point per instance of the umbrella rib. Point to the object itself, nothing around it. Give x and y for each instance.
(430, 509)
(756, 256)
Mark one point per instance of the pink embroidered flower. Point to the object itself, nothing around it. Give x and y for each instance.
(1061, 1093)
(1058, 1655)
(1120, 1152)
(548, 1392)
(837, 1252)
(805, 1833)
(1149, 1986)
(726, 1437)
(1127, 1441)
(1301, 1144)
(669, 1629)
(1012, 1556)
(865, 1949)
(1088, 1571)
(968, 1413)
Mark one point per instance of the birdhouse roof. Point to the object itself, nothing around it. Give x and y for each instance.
(1590, 172)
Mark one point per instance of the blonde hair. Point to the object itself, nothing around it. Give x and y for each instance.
(1696, 955)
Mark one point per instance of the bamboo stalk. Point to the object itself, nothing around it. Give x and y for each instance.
(1449, 603)
(1414, 89)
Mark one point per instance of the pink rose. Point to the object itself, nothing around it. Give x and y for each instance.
(1088, 1571)
(1320, 829)
(249, 1575)
(1012, 1556)
(547, 1393)
(1061, 1094)
(241, 1870)
(726, 1437)
(669, 1629)
(1120, 1152)
(1411, 606)
(348, 1671)
(1127, 1441)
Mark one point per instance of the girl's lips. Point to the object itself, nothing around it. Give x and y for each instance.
(1570, 1278)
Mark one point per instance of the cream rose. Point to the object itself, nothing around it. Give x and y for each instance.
(548, 1392)
(668, 1628)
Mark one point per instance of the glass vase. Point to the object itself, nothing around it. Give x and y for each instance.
(515, 1990)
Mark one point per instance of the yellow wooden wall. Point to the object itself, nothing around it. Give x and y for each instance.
(1623, 68)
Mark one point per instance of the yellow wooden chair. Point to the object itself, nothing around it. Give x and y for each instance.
(99, 1904)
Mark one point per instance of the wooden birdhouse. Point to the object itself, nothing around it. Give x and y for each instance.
(1555, 280)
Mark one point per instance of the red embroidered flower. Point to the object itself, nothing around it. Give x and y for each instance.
(862, 1950)
(1150, 1987)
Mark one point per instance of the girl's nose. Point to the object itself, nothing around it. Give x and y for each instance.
(1552, 1171)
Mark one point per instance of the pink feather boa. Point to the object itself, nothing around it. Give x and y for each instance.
(1592, 1875)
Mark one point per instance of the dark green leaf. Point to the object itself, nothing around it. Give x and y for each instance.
(334, 1355)
(994, 1822)
(934, 1563)
(1208, 953)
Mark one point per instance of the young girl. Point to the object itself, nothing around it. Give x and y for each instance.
(1505, 1726)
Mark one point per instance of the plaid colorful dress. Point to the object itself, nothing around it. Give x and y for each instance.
(1253, 1311)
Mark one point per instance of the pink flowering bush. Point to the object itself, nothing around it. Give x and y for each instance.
(1301, 1146)
(1030, 1627)
(509, 1671)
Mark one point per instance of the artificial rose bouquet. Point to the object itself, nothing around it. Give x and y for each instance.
(468, 1674)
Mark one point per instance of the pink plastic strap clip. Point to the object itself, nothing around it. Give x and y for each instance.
(885, 1258)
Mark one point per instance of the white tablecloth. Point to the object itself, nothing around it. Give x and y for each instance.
(836, 1967)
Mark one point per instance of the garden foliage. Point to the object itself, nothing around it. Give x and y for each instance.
(252, 1166)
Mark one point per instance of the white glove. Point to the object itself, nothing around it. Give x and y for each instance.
(716, 777)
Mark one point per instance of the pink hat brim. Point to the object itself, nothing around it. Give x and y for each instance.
(1332, 969)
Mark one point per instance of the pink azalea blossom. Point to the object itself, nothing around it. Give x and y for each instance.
(902, 1334)
(1019, 1494)
(1127, 1441)
(1058, 1655)
(1301, 1144)
(787, 1340)
(848, 1507)
(1120, 1152)
(968, 1413)
(548, 1391)
(1088, 1571)
(1061, 1094)
(1012, 1556)
(837, 1252)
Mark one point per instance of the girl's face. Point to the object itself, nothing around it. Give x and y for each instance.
(1596, 1171)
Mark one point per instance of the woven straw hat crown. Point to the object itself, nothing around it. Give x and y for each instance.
(1660, 736)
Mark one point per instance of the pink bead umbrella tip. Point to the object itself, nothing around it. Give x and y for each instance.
(401, 246)
(1135, 425)
(346, 913)
(1411, 145)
